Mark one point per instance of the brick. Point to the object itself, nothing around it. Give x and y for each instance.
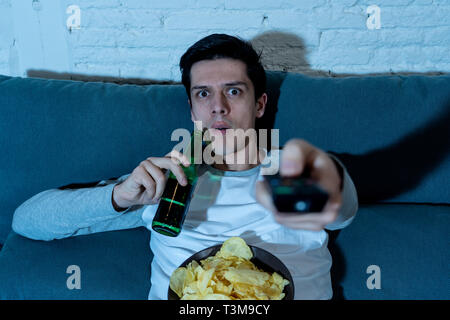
(119, 18)
(89, 36)
(290, 20)
(320, 18)
(96, 69)
(172, 4)
(4, 69)
(437, 36)
(384, 3)
(437, 54)
(88, 4)
(345, 56)
(415, 16)
(147, 71)
(144, 70)
(343, 4)
(135, 38)
(158, 39)
(328, 18)
(209, 19)
(6, 26)
(374, 38)
(265, 4)
(6, 37)
(4, 55)
(118, 55)
(422, 2)
(402, 57)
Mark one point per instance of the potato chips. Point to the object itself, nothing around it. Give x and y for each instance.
(229, 275)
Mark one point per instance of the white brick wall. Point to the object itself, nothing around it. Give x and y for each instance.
(6, 36)
(145, 38)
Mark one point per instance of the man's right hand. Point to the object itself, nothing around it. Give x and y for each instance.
(145, 185)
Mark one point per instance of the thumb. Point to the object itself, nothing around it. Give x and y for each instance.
(294, 157)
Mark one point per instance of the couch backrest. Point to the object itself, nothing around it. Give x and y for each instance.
(56, 132)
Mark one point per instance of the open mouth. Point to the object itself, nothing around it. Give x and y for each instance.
(222, 130)
(221, 126)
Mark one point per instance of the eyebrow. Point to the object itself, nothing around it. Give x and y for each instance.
(236, 83)
(228, 84)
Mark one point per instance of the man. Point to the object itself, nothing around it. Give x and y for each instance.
(225, 84)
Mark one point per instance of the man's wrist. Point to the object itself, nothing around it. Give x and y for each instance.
(114, 203)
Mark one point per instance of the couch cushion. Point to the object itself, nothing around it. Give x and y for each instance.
(408, 242)
(113, 265)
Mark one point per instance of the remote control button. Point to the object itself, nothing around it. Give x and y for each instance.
(301, 206)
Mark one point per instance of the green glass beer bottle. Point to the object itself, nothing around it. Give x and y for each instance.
(174, 203)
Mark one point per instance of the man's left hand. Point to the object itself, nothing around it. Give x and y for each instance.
(296, 157)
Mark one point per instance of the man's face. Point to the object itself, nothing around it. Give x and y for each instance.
(223, 97)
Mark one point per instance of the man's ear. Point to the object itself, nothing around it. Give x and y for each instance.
(261, 105)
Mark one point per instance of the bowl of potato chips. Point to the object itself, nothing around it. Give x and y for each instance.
(231, 271)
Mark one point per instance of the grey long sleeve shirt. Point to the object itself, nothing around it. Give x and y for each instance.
(56, 214)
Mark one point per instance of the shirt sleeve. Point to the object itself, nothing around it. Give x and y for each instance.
(56, 214)
(349, 205)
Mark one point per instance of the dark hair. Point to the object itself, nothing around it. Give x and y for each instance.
(216, 46)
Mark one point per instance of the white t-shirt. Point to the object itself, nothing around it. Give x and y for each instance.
(224, 206)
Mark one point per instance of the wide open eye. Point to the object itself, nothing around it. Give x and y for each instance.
(202, 94)
(234, 91)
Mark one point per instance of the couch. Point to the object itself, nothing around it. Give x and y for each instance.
(390, 131)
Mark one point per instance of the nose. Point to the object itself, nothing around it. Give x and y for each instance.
(220, 105)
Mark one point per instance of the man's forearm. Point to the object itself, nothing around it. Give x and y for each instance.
(55, 214)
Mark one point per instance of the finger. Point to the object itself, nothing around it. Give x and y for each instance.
(324, 172)
(304, 225)
(331, 212)
(169, 164)
(263, 196)
(296, 155)
(178, 157)
(158, 176)
(299, 154)
(302, 221)
(324, 217)
(143, 178)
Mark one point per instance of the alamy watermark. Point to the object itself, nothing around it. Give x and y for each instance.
(74, 280)
(74, 20)
(374, 280)
(374, 19)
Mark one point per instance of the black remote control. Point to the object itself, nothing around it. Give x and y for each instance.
(296, 194)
